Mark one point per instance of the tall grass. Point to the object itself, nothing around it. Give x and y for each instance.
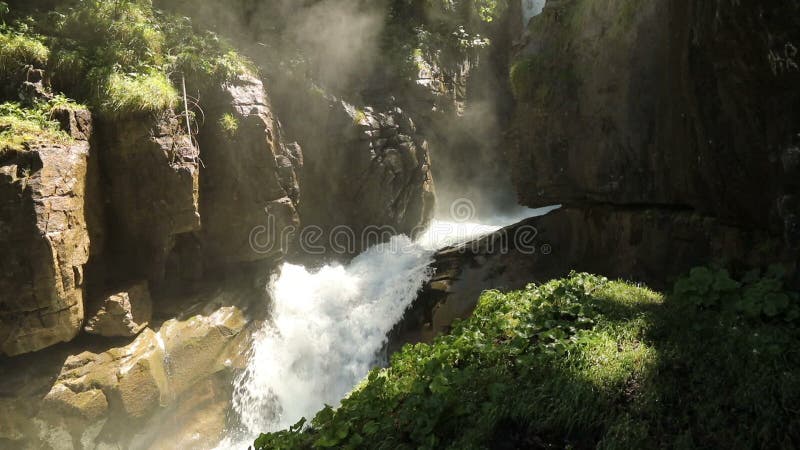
(17, 50)
(137, 93)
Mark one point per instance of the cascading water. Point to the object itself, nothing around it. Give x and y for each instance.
(531, 9)
(328, 327)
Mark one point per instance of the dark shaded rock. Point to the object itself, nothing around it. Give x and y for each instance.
(363, 170)
(683, 103)
(638, 244)
(151, 170)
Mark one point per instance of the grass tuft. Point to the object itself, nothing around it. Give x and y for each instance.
(229, 124)
(17, 50)
(119, 55)
(137, 93)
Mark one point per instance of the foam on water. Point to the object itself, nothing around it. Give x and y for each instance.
(328, 327)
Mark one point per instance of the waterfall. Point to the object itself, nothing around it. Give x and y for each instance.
(531, 9)
(328, 327)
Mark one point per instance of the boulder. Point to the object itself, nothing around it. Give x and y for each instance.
(45, 242)
(123, 314)
(118, 393)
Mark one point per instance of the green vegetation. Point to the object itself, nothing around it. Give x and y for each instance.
(522, 77)
(139, 92)
(584, 362)
(122, 57)
(753, 297)
(19, 126)
(443, 33)
(18, 50)
(229, 124)
(359, 117)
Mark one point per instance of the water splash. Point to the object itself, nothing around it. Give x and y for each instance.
(327, 329)
(329, 325)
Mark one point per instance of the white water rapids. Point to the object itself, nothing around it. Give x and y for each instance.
(328, 327)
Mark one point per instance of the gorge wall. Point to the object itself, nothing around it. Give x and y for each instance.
(667, 130)
(677, 105)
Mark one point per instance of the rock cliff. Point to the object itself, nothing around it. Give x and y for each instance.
(366, 173)
(45, 240)
(669, 132)
(680, 104)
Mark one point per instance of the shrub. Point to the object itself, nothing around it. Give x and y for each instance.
(117, 54)
(754, 296)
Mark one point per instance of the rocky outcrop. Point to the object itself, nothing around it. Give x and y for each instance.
(249, 190)
(170, 386)
(45, 240)
(114, 396)
(123, 314)
(142, 208)
(181, 209)
(364, 169)
(542, 248)
(681, 104)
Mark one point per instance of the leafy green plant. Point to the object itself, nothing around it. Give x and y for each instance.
(359, 116)
(229, 124)
(21, 126)
(755, 296)
(456, 392)
(581, 362)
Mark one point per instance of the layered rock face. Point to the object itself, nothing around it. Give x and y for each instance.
(45, 240)
(166, 221)
(681, 104)
(248, 178)
(151, 393)
(366, 171)
(151, 168)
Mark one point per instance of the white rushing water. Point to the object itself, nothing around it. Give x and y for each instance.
(328, 327)
(531, 9)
